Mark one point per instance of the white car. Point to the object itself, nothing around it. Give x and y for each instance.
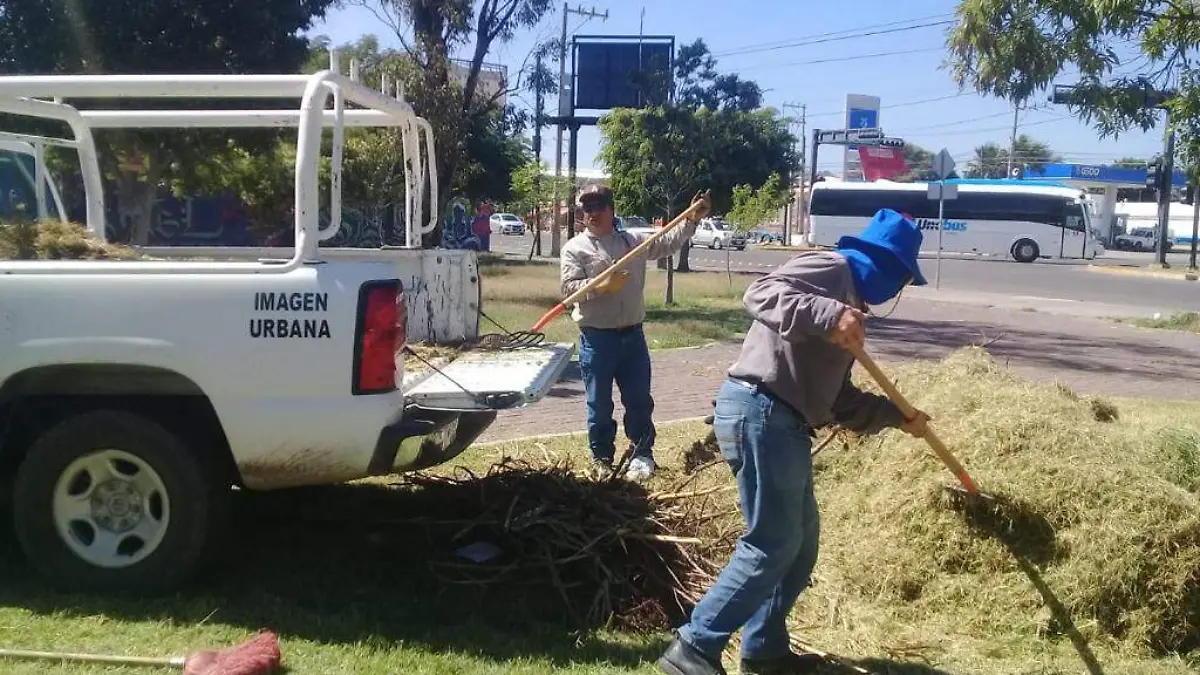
(716, 233)
(130, 411)
(507, 223)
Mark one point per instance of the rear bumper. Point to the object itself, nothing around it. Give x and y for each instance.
(419, 438)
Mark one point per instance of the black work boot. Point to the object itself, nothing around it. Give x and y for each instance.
(683, 659)
(792, 664)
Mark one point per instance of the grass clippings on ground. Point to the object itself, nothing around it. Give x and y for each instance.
(1088, 562)
(708, 307)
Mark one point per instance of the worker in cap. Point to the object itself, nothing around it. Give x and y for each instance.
(612, 345)
(793, 375)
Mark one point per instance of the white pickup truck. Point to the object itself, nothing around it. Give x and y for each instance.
(134, 395)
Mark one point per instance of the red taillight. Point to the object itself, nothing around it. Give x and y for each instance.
(381, 334)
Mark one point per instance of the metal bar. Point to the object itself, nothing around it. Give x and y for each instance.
(154, 86)
(85, 146)
(34, 140)
(216, 119)
(39, 178)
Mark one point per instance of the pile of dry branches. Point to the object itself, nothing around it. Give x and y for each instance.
(612, 552)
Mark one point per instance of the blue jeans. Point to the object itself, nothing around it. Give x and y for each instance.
(620, 356)
(769, 450)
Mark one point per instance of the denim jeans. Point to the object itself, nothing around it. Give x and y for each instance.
(768, 448)
(620, 356)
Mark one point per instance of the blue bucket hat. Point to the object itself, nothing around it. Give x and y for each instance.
(890, 233)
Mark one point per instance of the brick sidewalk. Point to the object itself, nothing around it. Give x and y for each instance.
(1092, 356)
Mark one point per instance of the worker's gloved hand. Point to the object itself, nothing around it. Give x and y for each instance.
(614, 283)
(704, 208)
(850, 330)
(916, 427)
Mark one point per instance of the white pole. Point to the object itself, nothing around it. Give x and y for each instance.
(937, 274)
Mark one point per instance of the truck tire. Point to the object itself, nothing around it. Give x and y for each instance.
(111, 501)
(1025, 250)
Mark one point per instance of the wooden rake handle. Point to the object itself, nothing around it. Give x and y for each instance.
(561, 307)
(910, 412)
(29, 655)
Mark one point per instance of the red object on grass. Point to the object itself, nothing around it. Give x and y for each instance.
(260, 656)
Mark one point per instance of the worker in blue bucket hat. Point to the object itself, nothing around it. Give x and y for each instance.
(793, 375)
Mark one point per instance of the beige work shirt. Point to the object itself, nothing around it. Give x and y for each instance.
(585, 256)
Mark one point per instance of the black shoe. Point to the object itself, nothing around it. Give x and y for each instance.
(683, 659)
(792, 664)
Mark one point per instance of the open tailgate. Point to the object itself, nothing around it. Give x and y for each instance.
(493, 380)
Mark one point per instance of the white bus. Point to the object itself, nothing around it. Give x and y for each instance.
(1024, 222)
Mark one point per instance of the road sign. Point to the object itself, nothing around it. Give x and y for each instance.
(872, 136)
(943, 164)
(938, 191)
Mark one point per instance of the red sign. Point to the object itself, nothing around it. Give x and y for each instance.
(881, 163)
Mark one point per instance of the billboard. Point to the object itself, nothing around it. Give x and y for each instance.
(862, 112)
(621, 72)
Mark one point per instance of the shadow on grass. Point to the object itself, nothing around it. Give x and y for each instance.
(1029, 538)
(708, 322)
(317, 564)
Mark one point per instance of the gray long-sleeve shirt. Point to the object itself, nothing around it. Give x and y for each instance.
(787, 351)
(585, 256)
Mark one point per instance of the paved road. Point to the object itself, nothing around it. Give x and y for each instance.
(1093, 356)
(1062, 280)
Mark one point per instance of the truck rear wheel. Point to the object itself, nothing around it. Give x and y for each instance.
(112, 501)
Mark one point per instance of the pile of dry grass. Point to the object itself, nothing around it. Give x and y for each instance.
(609, 551)
(1103, 516)
(55, 240)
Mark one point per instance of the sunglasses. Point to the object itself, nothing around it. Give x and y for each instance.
(593, 205)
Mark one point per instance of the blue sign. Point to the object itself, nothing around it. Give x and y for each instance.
(863, 119)
(859, 118)
(1097, 173)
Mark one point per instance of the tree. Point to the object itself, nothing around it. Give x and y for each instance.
(752, 207)
(992, 161)
(1014, 49)
(531, 189)
(430, 31)
(165, 36)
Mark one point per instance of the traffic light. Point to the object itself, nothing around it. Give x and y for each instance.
(891, 142)
(1154, 174)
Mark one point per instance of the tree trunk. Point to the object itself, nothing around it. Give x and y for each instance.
(684, 265)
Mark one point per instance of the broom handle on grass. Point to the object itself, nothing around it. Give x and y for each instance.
(909, 412)
(23, 654)
(617, 266)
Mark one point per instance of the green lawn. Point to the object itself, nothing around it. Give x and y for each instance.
(343, 572)
(707, 304)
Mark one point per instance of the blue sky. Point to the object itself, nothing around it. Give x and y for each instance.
(919, 101)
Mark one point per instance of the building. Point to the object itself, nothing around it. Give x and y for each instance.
(492, 82)
(1102, 182)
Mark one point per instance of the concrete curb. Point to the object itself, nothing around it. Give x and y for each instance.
(1142, 272)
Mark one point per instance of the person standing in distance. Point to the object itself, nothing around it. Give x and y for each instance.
(612, 345)
(793, 375)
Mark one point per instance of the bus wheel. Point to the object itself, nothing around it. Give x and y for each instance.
(1025, 251)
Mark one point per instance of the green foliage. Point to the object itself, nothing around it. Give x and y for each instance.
(1014, 49)
(991, 160)
(752, 207)
(431, 31)
(659, 157)
(531, 188)
(165, 36)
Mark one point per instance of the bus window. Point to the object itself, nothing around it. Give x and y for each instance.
(1074, 218)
